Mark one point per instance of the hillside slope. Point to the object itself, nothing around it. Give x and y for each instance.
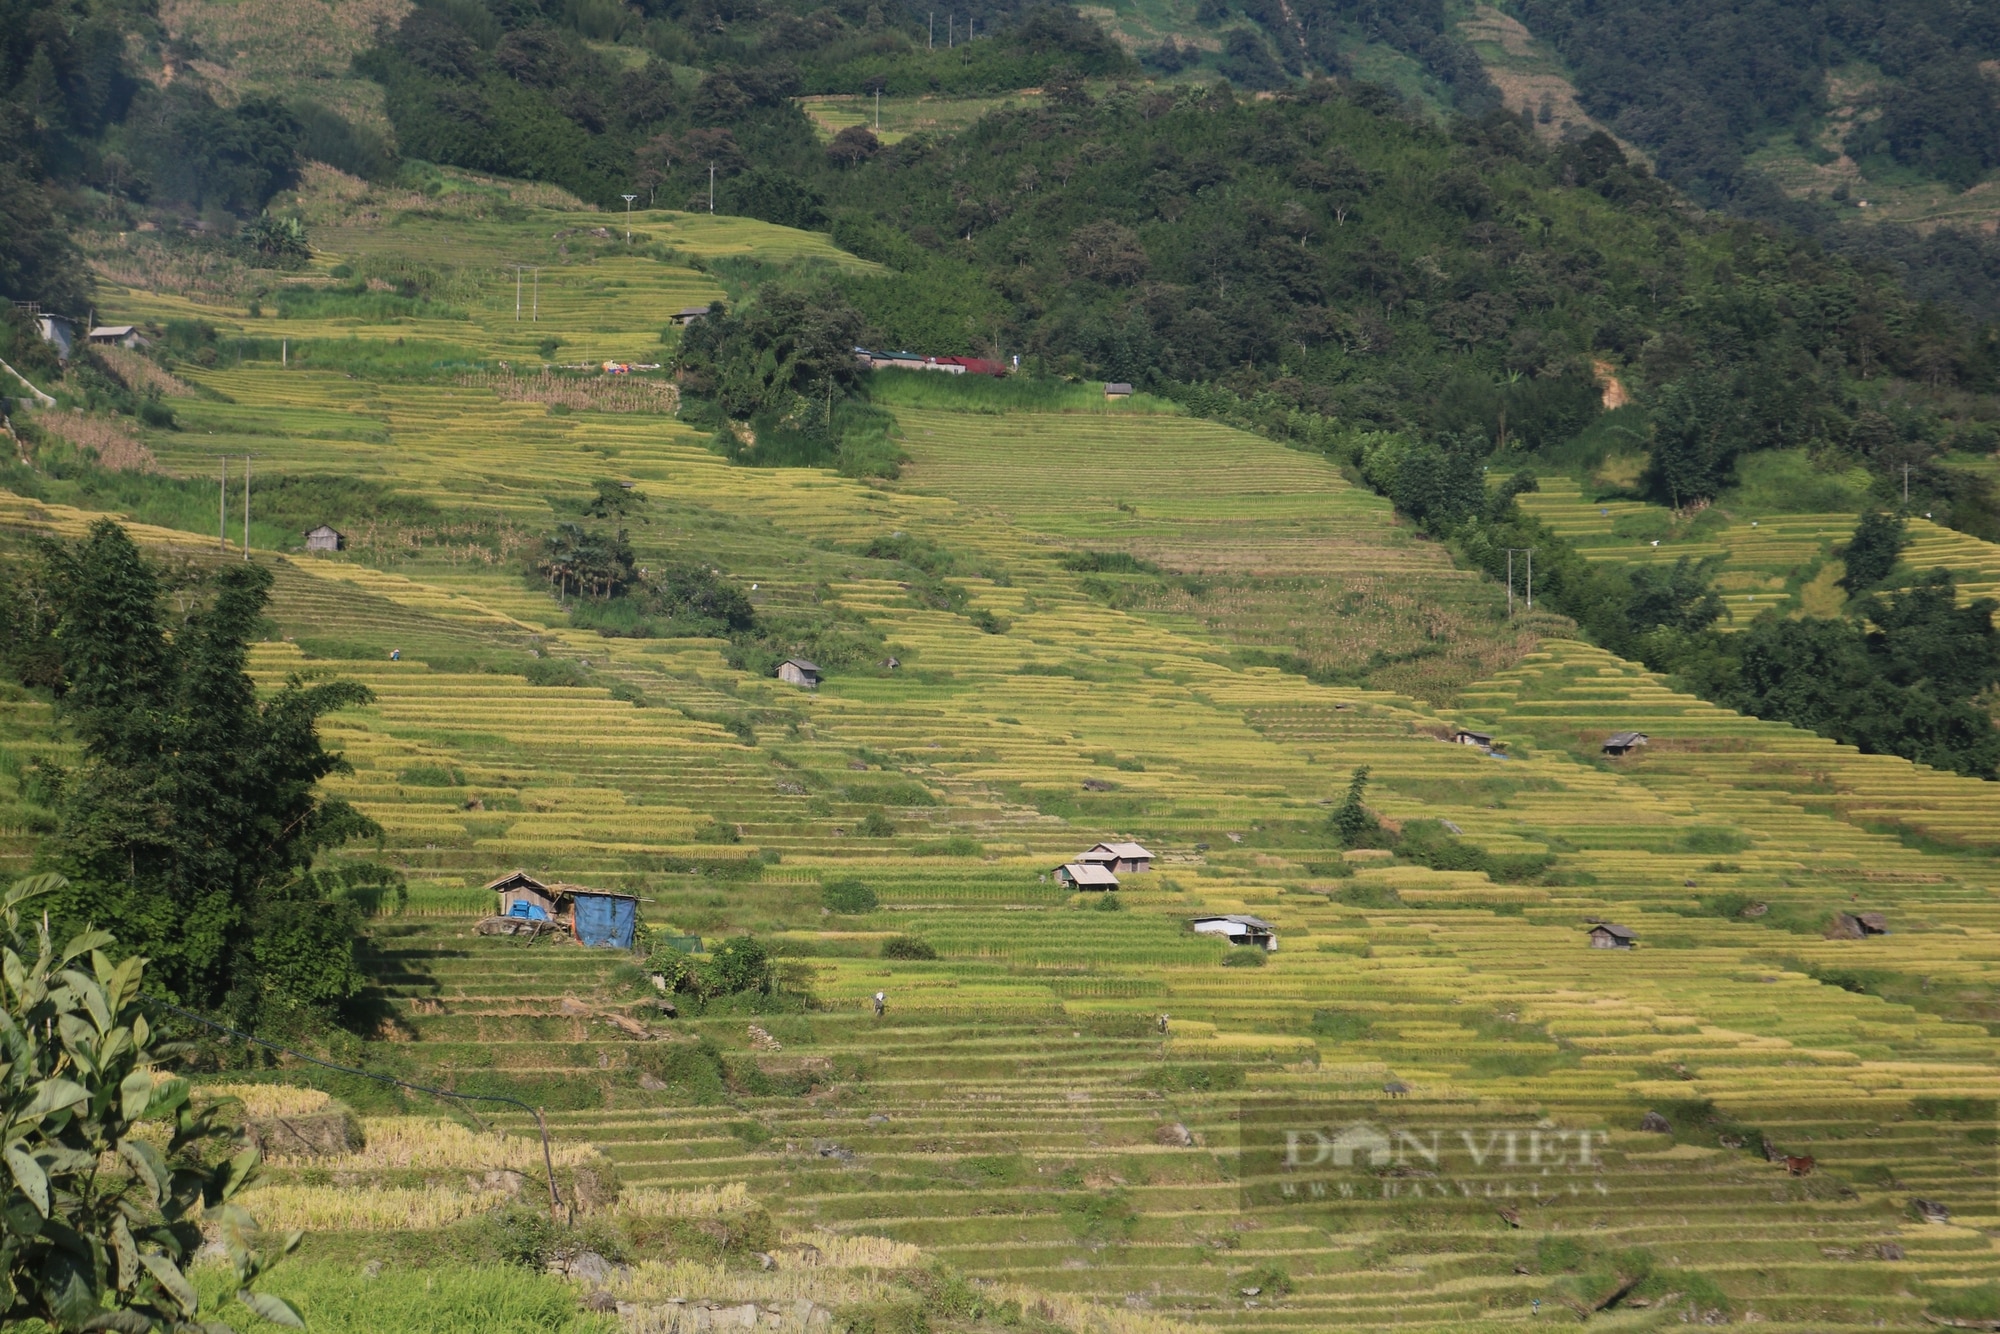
(1023, 1111)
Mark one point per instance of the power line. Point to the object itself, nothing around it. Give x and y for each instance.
(548, 1157)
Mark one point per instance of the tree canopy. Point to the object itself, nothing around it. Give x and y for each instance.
(193, 819)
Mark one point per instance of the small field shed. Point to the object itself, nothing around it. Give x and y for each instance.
(799, 672)
(325, 538)
(521, 895)
(1605, 936)
(602, 918)
(1119, 857)
(1086, 875)
(1238, 929)
(1465, 737)
(599, 917)
(1623, 743)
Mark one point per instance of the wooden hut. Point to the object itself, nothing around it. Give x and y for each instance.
(521, 895)
(1238, 929)
(1126, 858)
(1086, 875)
(325, 538)
(1116, 390)
(1466, 737)
(1623, 743)
(1605, 936)
(799, 672)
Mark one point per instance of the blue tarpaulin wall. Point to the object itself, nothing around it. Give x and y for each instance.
(604, 920)
(531, 911)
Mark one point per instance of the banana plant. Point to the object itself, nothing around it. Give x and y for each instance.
(111, 1171)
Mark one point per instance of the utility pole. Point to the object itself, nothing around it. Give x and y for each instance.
(930, 43)
(951, 30)
(628, 216)
(285, 352)
(711, 187)
(878, 110)
(1529, 552)
(536, 308)
(246, 507)
(1906, 484)
(222, 512)
(517, 294)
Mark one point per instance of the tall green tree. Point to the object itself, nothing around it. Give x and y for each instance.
(194, 817)
(1694, 444)
(1872, 552)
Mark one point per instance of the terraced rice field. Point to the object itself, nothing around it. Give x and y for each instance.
(1781, 560)
(894, 119)
(1090, 1105)
(508, 278)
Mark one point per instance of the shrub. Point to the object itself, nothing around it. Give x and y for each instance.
(1980, 1302)
(717, 831)
(80, 1087)
(1340, 1025)
(555, 672)
(1714, 840)
(431, 775)
(847, 896)
(1370, 894)
(876, 825)
(1244, 957)
(907, 947)
(1194, 1078)
(1107, 562)
(1353, 823)
(1269, 1280)
(1107, 903)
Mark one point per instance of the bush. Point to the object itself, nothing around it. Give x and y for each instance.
(1353, 823)
(1340, 1025)
(1194, 1078)
(1269, 1280)
(1980, 1302)
(1370, 894)
(907, 947)
(555, 672)
(875, 825)
(847, 896)
(75, 1093)
(1244, 956)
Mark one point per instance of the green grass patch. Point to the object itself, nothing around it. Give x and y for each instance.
(446, 1299)
(985, 393)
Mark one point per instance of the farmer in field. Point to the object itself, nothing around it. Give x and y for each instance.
(880, 1001)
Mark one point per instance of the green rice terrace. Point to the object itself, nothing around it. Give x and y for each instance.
(1101, 619)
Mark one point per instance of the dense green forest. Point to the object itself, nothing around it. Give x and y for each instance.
(1699, 84)
(1702, 86)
